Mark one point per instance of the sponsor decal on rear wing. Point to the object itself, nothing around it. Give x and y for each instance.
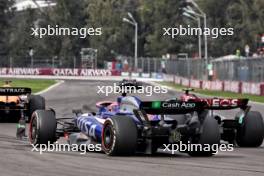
(171, 107)
(224, 103)
(14, 90)
(183, 107)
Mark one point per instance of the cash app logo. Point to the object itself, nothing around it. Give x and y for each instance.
(156, 104)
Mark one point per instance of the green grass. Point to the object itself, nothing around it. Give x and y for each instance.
(35, 84)
(255, 98)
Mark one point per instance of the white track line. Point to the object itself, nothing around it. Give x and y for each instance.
(50, 87)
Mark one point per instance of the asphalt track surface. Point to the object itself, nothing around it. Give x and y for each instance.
(16, 157)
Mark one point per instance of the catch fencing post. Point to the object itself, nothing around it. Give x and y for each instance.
(148, 65)
(10, 62)
(155, 65)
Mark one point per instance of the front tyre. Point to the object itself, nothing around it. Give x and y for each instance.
(119, 136)
(42, 128)
(251, 131)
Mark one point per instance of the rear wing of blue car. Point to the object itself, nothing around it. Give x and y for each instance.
(171, 107)
(15, 91)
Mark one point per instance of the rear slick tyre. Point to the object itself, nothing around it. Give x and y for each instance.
(251, 131)
(210, 136)
(119, 136)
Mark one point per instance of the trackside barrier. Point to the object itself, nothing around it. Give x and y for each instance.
(229, 86)
(58, 72)
(195, 84)
(185, 82)
(170, 78)
(78, 72)
(217, 85)
(262, 89)
(206, 85)
(135, 74)
(247, 88)
(125, 74)
(232, 86)
(144, 75)
(177, 80)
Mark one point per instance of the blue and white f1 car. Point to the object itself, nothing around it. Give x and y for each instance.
(130, 125)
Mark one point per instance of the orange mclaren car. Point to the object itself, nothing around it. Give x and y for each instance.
(17, 102)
